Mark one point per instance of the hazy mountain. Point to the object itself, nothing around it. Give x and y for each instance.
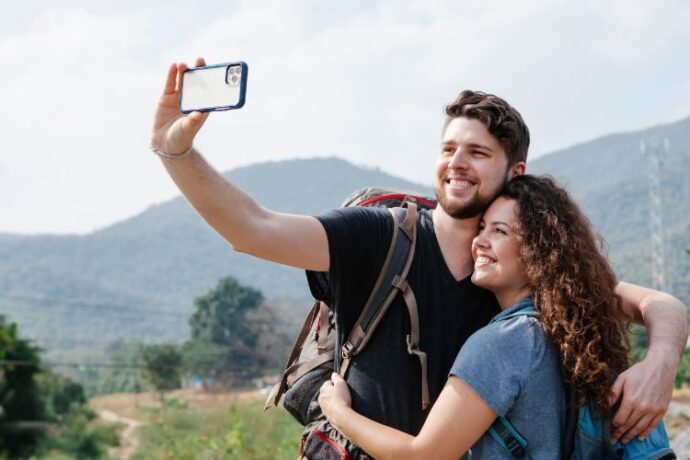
(610, 178)
(138, 278)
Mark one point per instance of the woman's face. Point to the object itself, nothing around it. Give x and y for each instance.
(496, 254)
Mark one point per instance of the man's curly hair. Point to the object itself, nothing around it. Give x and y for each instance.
(573, 286)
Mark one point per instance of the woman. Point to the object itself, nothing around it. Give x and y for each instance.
(535, 249)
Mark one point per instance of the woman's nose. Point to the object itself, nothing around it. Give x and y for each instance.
(480, 241)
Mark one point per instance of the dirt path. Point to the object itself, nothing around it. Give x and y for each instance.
(128, 439)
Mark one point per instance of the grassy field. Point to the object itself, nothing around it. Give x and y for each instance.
(196, 425)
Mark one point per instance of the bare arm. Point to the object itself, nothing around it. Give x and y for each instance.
(457, 420)
(647, 386)
(299, 241)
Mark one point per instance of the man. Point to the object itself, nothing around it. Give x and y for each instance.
(484, 144)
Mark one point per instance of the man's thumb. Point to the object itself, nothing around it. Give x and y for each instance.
(336, 378)
(197, 118)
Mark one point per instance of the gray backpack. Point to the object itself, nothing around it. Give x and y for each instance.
(314, 358)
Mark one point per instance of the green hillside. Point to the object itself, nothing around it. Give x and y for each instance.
(137, 279)
(610, 179)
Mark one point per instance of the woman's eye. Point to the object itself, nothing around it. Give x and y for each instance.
(501, 231)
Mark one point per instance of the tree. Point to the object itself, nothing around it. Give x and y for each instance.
(639, 342)
(220, 313)
(235, 335)
(33, 399)
(161, 367)
(59, 393)
(683, 374)
(222, 338)
(124, 376)
(19, 396)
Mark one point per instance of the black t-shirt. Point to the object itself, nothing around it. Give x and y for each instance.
(385, 380)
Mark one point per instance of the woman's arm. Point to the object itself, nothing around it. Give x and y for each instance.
(456, 421)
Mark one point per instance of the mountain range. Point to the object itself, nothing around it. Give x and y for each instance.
(137, 278)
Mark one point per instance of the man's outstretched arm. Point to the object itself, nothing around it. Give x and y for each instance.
(648, 385)
(299, 241)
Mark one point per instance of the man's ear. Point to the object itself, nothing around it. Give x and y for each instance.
(518, 169)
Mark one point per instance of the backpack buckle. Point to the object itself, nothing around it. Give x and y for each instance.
(346, 350)
(411, 347)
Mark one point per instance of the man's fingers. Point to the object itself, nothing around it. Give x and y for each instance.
(170, 80)
(622, 421)
(200, 62)
(655, 421)
(637, 428)
(622, 416)
(180, 70)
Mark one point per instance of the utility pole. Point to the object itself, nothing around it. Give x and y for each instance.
(656, 149)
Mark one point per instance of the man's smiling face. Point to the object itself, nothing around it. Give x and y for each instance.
(471, 169)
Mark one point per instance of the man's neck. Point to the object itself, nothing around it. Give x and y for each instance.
(455, 239)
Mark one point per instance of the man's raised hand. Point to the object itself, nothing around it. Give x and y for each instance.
(173, 132)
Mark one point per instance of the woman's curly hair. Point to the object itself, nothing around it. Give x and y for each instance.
(573, 287)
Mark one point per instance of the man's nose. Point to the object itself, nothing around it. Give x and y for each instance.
(459, 159)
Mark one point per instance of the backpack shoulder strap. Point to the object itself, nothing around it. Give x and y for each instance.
(505, 434)
(571, 418)
(392, 279)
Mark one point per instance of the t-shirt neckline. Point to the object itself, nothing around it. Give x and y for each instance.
(439, 253)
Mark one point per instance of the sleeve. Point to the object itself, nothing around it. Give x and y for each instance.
(358, 240)
(496, 361)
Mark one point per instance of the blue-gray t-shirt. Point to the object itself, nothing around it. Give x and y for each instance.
(514, 367)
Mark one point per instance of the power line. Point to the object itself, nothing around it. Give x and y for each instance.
(64, 304)
(76, 365)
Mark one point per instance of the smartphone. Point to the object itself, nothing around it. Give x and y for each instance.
(214, 87)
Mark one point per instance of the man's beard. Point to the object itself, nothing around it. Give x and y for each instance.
(475, 207)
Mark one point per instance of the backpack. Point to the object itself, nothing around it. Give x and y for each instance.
(313, 357)
(587, 432)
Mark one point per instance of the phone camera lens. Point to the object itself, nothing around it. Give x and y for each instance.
(234, 75)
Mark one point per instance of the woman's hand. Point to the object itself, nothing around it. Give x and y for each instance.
(334, 395)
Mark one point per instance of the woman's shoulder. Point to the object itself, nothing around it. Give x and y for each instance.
(498, 360)
(518, 331)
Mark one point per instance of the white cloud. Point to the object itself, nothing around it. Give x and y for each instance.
(368, 84)
(74, 101)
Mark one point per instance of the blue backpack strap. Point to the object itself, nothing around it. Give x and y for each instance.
(505, 434)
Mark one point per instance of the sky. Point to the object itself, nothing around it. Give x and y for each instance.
(361, 80)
